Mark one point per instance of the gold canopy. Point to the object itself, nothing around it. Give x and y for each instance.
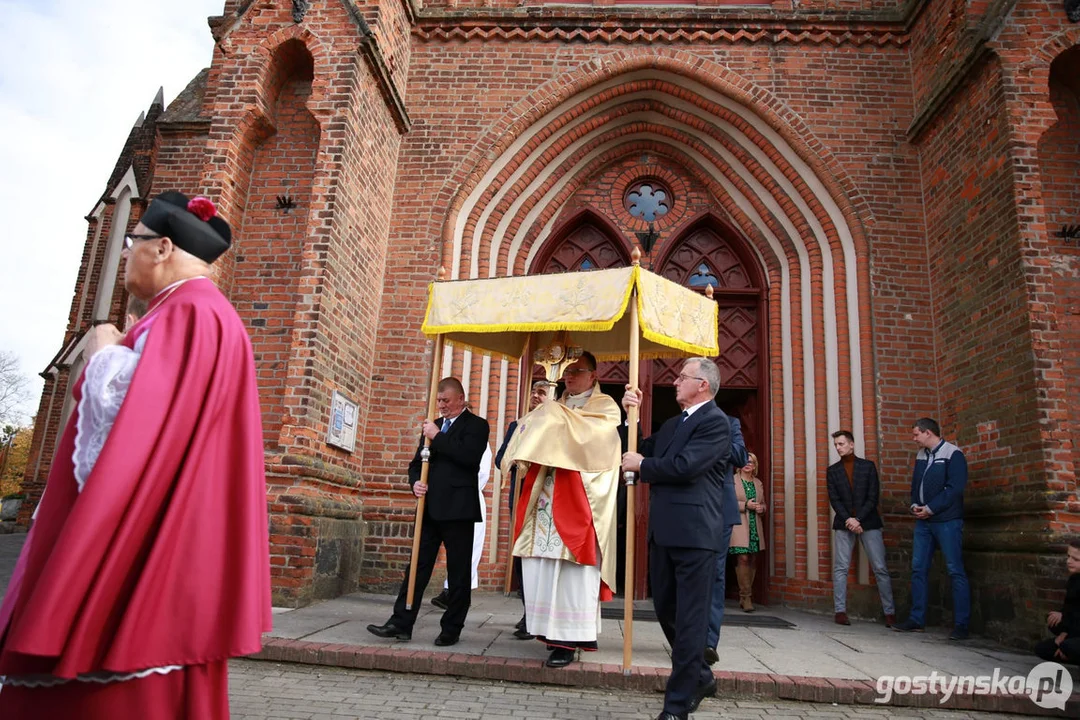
(495, 316)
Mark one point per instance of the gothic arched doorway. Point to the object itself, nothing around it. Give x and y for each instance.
(709, 252)
(706, 252)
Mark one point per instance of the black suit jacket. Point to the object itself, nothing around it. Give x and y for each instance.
(455, 463)
(684, 465)
(858, 499)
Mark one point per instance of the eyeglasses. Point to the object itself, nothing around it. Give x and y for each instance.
(130, 238)
(684, 376)
(575, 371)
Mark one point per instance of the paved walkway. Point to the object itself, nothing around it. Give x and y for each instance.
(275, 691)
(810, 659)
(813, 647)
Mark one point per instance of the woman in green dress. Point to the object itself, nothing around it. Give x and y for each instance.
(747, 539)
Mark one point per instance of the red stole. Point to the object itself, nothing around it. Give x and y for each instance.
(572, 514)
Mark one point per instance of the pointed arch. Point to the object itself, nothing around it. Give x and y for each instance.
(740, 268)
(583, 235)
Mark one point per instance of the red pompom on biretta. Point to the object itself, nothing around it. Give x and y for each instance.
(202, 208)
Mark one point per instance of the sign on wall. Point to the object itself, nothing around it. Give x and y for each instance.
(342, 430)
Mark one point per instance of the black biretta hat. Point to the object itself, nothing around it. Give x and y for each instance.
(192, 224)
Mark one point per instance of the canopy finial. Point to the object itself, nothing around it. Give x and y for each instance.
(708, 291)
(441, 275)
(635, 256)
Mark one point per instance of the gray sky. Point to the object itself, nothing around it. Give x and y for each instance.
(74, 76)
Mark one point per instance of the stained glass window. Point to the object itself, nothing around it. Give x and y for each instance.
(703, 276)
(648, 201)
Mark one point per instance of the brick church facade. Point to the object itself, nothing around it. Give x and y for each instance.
(884, 194)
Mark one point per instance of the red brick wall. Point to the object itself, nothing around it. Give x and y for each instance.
(267, 259)
(976, 271)
(1059, 165)
(938, 44)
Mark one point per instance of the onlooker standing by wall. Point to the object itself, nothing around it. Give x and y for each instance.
(1065, 623)
(937, 502)
(854, 489)
(746, 538)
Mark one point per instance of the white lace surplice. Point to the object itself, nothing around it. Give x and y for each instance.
(108, 377)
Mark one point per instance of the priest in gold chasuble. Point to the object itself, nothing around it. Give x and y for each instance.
(565, 526)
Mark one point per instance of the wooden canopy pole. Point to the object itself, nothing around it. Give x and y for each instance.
(524, 390)
(631, 446)
(425, 455)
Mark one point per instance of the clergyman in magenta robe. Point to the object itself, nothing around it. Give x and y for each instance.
(148, 566)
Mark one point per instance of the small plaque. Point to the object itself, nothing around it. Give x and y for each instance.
(342, 430)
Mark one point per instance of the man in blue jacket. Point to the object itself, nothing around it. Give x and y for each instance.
(937, 502)
(737, 458)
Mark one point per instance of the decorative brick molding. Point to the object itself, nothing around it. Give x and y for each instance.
(772, 35)
(640, 679)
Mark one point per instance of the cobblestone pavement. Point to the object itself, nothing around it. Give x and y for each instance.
(274, 691)
(10, 547)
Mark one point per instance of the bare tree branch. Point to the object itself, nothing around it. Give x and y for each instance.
(14, 390)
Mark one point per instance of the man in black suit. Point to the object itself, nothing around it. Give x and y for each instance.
(458, 442)
(853, 493)
(684, 464)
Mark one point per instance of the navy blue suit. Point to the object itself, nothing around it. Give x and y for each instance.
(684, 466)
(516, 572)
(737, 458)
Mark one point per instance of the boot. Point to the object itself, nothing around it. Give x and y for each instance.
(751, 574)
(742, 572)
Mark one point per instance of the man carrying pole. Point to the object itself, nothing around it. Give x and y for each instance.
(457, 445)
(684, 463)
(565, 524)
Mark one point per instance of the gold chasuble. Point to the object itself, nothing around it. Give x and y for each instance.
(573, 448)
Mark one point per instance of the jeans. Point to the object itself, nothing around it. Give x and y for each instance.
(874, 545)
(948, 536)
(716, 613)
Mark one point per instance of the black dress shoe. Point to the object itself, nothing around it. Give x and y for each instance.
(446, 639)
(390, 630)
(561, 657)
(520, 624)
(671, 716)
(442, 600)
(702, 692)
(711, 656)
(524, 635)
